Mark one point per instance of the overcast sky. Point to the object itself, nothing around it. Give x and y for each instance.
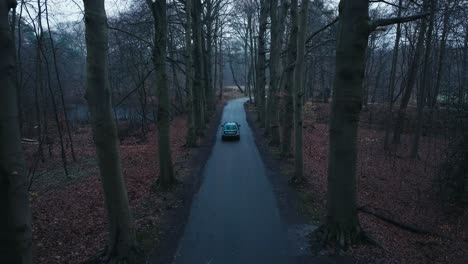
(72, 10)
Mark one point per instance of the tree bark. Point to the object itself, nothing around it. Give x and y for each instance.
(298, 94)
(410, 81)
(289, 83)
(440, 63)
(248, 65)
(277, 15)
(166, 173)
(199, 80)
(122, 243)
(391, 89)
(342, 226)
(221, 64)
(261, 65)
(425, 83)
(207, 55)
(191, 133)
(15, 223)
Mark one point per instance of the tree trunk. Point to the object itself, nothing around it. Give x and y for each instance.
(424, 83)
(410, 81)
(252, 62)
(342, 224)
(199, 77)
(221, 64)
(15, 223)
(288, 89)
(248, 65)
(191, 133)
(298, 94)
(59, 83)
(215, 60)
(166, 173)
(209, 92)
(261, 76)
(122, 242)
(391, 90)
(277, 27)
(464, 73)
(49, 86)
(440, 63)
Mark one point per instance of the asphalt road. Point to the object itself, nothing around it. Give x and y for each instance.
(234, 217)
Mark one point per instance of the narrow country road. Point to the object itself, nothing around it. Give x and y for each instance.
(234, 217)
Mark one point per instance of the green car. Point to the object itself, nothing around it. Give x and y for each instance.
(230, 131)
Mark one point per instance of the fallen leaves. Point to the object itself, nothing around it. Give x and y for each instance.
(402, 187)
(69, 217)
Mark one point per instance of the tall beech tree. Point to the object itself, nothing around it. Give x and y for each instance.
(158, 9)
(191, 132)
(342, 226)
(199, 82)
(15, 223)
(261, 61)
(298, 93)
(277, 15)
(289, 82)
(121, 246)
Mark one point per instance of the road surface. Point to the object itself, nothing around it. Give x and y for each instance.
(234, 217)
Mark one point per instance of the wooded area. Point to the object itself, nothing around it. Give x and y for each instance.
(367, 101)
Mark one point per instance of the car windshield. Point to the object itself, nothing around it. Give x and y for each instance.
(230, 127)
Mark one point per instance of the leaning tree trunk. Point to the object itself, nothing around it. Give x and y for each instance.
(342, 224)
(425, 85)
(15, 223)
(191, 133)
(288, 89)
(261, 77)
(122, 243)
(298, 94)
(166, 173)
(410, 81)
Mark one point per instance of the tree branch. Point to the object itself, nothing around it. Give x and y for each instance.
(374, 24)
(131, 34)
(309, 39)
(386, 2)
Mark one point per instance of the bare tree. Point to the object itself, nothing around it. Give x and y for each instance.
(261, 61)
(191, 133)
(298, 94)
(342, 226)
(289, 82)
(122, 242)
(158, 9)
(15, 223)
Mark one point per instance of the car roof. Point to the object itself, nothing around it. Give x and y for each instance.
(230, 123)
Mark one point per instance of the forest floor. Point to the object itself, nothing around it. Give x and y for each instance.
(394, 187)
(68, 214)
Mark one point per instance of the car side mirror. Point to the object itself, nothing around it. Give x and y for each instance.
(239, 125)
